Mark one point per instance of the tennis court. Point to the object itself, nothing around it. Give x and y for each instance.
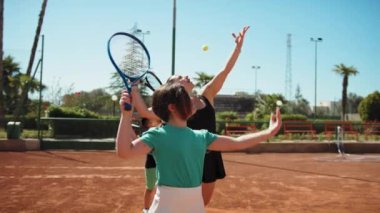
(98, 181)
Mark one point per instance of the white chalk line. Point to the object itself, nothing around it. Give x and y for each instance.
(75, 167)
(68, 177)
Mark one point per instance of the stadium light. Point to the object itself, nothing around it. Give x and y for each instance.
(315, 40)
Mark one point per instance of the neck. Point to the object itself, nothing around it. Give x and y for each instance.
(197, 103)
(177, 122)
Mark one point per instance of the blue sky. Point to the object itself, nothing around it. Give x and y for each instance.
(76, 33)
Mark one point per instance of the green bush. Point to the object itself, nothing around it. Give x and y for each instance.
(369, 107)
(71, 112)
(287, 117)
(227, 116)
(82, 127)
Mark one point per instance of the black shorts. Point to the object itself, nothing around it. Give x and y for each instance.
(213, 168)
(150, 162)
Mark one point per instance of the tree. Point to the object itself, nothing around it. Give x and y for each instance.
(202, 79)
(353, 101)
(12, 83)
(26, 87)
(346, 72)
(369, 107)
(132, 60)
(56, 92)
(266, 104)
(117, 85)
(227, 116)
(300, 105)
(241, 94)
(97, 100)
(2, 105)
(298, 94)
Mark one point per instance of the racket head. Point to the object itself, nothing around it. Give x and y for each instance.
(130, 58)
(152, 81)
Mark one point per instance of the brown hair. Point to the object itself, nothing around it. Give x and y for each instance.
(171, 94)
(171, 80)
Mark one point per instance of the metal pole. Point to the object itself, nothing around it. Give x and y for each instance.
(255, 80)
(315, 74)
(173, 37)
(40, 98)
(256, 68)
(315, 83)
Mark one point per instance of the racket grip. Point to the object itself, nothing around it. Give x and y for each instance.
(127, 106)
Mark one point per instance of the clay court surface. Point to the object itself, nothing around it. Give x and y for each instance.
(98, 181)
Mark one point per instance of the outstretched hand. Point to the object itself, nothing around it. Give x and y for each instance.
(275, 122)
(239, 39)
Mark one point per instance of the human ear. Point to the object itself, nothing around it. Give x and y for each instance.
(171, 108)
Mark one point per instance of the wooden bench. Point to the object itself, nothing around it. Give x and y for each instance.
(237, 130)
(346, 127)
(371, 128)
(299, 127)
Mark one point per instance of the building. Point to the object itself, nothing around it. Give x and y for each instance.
(241, 104)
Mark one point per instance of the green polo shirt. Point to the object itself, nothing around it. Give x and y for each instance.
(179, 153)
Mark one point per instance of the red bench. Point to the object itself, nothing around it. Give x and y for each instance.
(237, 130)
(371, 128)
(299, 127)
(346, 127)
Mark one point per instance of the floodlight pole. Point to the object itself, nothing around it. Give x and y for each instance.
(142, 33)
(173, 36)
(315, 74)
(139, 31)
(256, 68)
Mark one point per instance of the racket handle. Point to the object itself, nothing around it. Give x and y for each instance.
(127, 106)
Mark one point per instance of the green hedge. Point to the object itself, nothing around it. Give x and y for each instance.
(82, 127)
(318, 125)
(71, 112)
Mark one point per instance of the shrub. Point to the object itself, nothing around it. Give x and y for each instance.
(287, 117)
(227, 116)
(369, 107)
(82, 127)
(71, 112)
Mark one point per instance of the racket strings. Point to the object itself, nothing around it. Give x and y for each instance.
(132, 59)
(152, 81)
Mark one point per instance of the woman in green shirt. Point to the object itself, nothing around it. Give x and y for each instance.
(178, 150)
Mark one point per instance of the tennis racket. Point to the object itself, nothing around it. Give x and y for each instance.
(152, 81)
(130, 57)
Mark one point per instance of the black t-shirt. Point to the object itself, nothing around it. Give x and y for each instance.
(203, 118)
(150, 162)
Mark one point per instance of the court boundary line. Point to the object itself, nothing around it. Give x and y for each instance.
(303, 172)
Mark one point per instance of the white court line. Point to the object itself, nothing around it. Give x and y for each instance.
(76, 167)
(68, 177)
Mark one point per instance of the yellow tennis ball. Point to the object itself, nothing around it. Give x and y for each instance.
(205, 47)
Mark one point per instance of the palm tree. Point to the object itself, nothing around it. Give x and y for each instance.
(13, 81)
(202, 79)
(346, 72)
(25, 90)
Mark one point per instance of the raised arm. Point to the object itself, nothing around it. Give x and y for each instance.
(127, 143)
(140, 106)
(224, 143)
(211, 89)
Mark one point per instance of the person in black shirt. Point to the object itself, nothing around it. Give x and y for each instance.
(204, 117)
